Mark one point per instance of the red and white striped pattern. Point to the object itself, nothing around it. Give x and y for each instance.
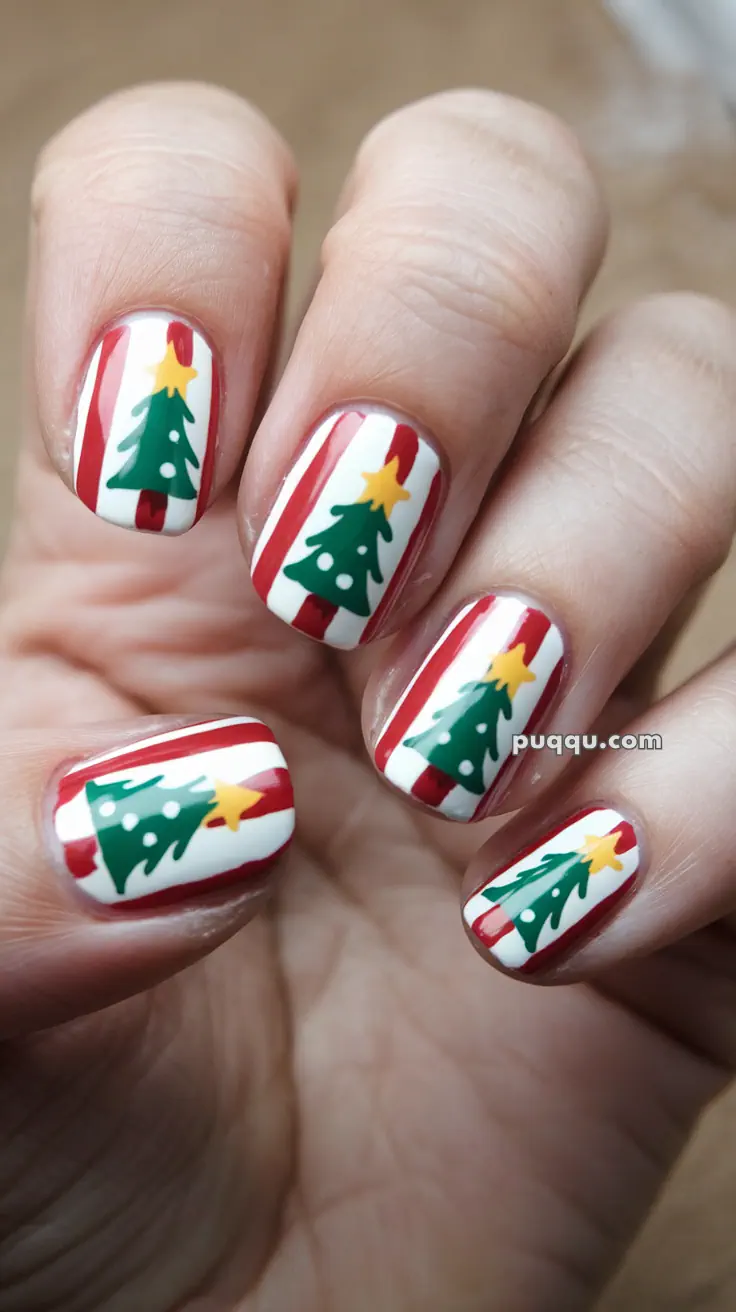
(328, 472)
(240, 750)
(118, 378)
(604, 889)
(480, 631)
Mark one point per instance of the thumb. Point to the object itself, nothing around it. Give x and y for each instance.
(143, 856)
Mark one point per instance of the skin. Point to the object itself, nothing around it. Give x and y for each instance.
(335, 1104)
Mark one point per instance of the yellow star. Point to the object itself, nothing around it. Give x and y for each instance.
(509, 671)
(601, 852)
(232, 800)
(383, 489)
(169, 374)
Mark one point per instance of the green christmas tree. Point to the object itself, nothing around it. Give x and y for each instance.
(139, 822)
(159, 445)
(540, 894)
(345, 553)
(463, 733)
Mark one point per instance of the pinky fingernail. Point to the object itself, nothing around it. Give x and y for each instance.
(176, 815)
(555, 892)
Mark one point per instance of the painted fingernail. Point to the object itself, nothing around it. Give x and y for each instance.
(176, 815)
(146, 428)
(554, 893)
(348, 525)
(492, 674)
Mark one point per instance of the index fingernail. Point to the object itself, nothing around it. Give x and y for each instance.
(146, 425)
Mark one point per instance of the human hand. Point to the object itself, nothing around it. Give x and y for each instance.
(338, 1106)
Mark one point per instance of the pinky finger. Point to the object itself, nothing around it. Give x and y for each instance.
(638, 855)
(144, 855)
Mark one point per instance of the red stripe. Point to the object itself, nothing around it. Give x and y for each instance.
(314, 616)
(164, 897)
(627, 838)
(208, 463)
(303, 499)
(79, 856)
(99, 416)
(182, 337)
(405, 445)
(278, 795)
(408, 560)
(514, 762)
(583, 927)
(492, 925)
(432, 786)
(428, 677)
(161, 753)
(531, 630)
(150, 512)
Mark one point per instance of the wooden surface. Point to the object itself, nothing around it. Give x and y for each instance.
(324, 72)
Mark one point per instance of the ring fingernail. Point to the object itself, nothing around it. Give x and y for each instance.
(146, 425)
(348, 525)
(549, 896)
(176, 815)
(493, 674)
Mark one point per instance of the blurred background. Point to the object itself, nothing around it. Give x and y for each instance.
(650, 86)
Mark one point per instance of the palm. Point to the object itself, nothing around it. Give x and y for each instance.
(342, 1106)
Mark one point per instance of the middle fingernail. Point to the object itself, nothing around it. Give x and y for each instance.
(492, 675)
(348, 525)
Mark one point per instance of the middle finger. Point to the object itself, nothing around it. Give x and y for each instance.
(451, 284)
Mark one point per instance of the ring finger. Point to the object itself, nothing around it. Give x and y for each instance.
(618, 502)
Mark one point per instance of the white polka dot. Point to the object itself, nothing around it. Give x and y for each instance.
(362, 550)
(171, 810)
(325, 560)
(167, 470)
(527, 915)
(481, 728)
(173, 436)
(149, 840)
(107, 808)
(129, 821)
(555, 892)
(344, 581)
(466, 767)
(443, 738)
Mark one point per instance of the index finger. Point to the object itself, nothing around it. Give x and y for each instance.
(160, 239)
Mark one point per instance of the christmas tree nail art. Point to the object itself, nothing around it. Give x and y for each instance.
(347, 526)
(493, 674)
(541, 903)
(176, 814)
(147, 425)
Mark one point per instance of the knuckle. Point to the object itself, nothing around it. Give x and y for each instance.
(713, 704)
(449, 271)
(473, 121)
(195, 153)
(469, 208)
(660, 398)
(689, 329)
(658, 488)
